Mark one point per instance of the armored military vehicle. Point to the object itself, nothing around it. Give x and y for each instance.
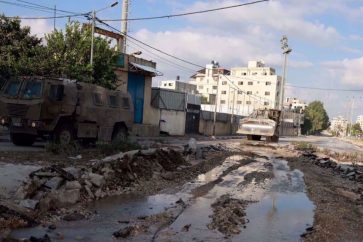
(263, 122)
(63, 110)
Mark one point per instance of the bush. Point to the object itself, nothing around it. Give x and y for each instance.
(304, 146)
(57, 149)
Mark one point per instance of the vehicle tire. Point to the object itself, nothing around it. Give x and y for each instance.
(256, 137)
(120, 134)
(275, 139)
(22, 139)
(64, 134)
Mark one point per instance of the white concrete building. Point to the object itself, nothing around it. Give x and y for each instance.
(293, 103)
(179, 86)
(360, 121)
(241, 90)
(339, 125)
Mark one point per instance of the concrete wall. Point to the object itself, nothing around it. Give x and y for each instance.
(172, 122)
(222, 128)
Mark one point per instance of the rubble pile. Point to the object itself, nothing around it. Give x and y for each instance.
(53, 187)
(228, 215)
(350, 172)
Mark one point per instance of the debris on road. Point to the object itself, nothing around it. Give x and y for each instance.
(228, 215)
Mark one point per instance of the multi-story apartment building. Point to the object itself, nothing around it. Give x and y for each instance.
(339, 126)
(360, 121)
(179, 86)
(241, 90)
(206, 81)
(294, 104)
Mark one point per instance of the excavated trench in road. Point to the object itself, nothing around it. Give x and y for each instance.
(268, 195)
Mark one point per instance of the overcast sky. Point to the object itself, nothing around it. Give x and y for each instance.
(326, 38)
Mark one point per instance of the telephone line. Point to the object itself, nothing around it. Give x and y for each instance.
(187, 13)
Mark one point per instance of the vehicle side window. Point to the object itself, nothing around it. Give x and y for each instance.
(97, 99)
(56, 92)
(125, 103)
(12, 89)
(113, 101)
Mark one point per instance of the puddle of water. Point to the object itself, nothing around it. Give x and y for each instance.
(278, 217)
(282, 213)
(122, 208)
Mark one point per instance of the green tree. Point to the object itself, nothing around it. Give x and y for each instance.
(18, 49)
(316, 118)
(356, 129)
(68, 55)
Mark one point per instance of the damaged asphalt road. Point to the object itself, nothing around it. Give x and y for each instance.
(239, 193)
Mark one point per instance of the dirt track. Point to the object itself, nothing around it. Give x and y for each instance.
(257, 187)
(339, 205)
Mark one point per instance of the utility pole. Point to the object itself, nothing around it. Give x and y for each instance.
(351, 117)
(93, 34)
(215, 65)
(55, 16)
(124, 23)
(93, 27)
(232, 116)
(286, 50)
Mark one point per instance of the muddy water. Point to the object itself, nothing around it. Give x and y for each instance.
(280, 210)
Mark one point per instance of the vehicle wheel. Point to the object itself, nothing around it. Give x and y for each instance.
(120, 134)
(256, 137)
(64, 134)
(22, 139)
(275, 139)
(249, 137)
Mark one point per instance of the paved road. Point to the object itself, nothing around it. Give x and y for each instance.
(331, 143)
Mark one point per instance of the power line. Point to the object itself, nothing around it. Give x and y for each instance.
(50, 17)
(188, 13)
(151, 47)
(46, 7)
(325, 89)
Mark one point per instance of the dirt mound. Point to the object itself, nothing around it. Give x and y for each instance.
(256, 176)
(228, 215)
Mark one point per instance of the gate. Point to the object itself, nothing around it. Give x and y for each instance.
(192, 119)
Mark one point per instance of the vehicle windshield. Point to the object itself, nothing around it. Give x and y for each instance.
(33, 89)
(12, 88)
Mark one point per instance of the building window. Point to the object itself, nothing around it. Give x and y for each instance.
(268, 83)
(170, 84)
(244, 73)
(214, 87)
(224, 92)
(250, 83)
(267, 93)
(97, 99)
(224, 82)
(165, 84)
(240, 83)
(249, 92)
(113, 101)
(248, 102)
(266, 103)
(223, 101)
(239, 102)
